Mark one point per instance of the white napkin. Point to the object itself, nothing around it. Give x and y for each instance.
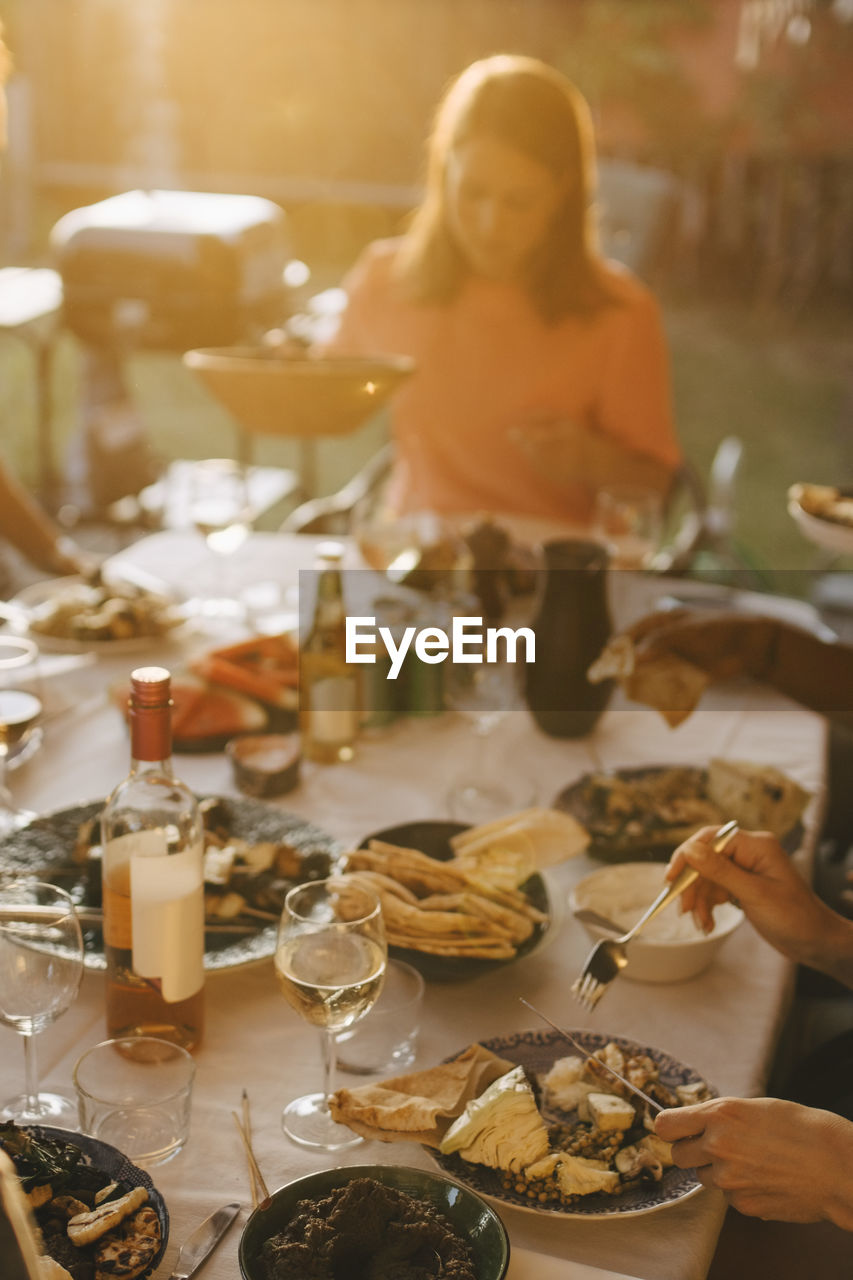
(526, 1265)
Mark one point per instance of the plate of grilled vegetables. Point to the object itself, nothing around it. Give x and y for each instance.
(254, 853)
(97, 1214)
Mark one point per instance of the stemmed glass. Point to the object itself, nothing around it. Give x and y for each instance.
(41, 965)
(330, 964)
(421, 549)
(628, 520)
(20, 709)
(220, 508)
(484, 693)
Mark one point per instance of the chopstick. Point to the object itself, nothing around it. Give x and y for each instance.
(95, 916)
(256, 1178)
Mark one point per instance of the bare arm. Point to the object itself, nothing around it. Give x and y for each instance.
(816, 672)
(27, 527)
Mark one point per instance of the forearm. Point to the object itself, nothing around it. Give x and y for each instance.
(814, 673)
(27, 527)
(830, 950)
(839, 1207)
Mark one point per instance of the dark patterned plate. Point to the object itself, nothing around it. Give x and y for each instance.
(44, 848)
(432, 837)
(537, 1051)
(100, 1155)
(650, 840)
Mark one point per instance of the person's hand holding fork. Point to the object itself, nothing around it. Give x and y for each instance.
(773, 1158)
(755, 871)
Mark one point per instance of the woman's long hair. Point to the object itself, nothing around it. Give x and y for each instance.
(533, 108)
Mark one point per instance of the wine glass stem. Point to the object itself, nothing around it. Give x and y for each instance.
(330, 1058)
(31, 1075)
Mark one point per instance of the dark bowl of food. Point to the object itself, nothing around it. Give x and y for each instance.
(364, 1219)
(92, 1207)
(432, 836)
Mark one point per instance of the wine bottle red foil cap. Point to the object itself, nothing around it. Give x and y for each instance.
(150, 713)
(150, 686)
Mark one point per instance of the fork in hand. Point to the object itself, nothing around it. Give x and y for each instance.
(609, 956)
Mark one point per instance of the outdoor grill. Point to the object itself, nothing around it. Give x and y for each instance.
(172, 269)
(165, 271)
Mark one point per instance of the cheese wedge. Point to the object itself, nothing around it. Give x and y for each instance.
(607, 1112)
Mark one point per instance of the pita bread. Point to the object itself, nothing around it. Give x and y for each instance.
(434, 907)
(420, 1106)
(670, 684)
(760, 796)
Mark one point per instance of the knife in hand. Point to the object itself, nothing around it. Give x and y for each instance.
(203, 1241)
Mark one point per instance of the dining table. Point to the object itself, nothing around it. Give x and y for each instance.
(724, 1023)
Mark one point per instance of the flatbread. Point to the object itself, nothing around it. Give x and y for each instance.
(419, 1106)
(759, 796)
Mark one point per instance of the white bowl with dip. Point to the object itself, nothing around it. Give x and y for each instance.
(670, 948)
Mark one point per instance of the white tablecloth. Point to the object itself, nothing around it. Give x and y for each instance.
(724, 1023)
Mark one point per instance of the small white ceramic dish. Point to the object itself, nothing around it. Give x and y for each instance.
(830, 535)
(671, 948)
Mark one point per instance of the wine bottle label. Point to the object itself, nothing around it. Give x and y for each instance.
(333, 705)
(166, 911)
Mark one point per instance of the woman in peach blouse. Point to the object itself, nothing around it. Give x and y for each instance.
(541, 369)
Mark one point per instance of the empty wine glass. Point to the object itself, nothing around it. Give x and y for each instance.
(628, 520)
(220, 509)
(41, 965)
(330, 964)
(420, 549)
(20, 709)
(485, 693)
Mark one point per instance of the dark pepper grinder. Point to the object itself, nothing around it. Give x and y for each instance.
(572, 627)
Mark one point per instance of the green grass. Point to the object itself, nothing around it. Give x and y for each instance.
(780, 388)
(782, 391)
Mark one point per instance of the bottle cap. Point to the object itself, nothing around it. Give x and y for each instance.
(150, 686)
(330, 551)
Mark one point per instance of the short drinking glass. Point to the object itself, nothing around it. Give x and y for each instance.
(135, 1093)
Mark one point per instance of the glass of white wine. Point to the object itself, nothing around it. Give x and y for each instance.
(41, 965)
(20, 710)
(330, 964)
(220, 509)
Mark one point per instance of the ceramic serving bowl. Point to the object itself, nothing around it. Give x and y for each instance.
(671, 948)
(297, 396)
(474, 1220)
